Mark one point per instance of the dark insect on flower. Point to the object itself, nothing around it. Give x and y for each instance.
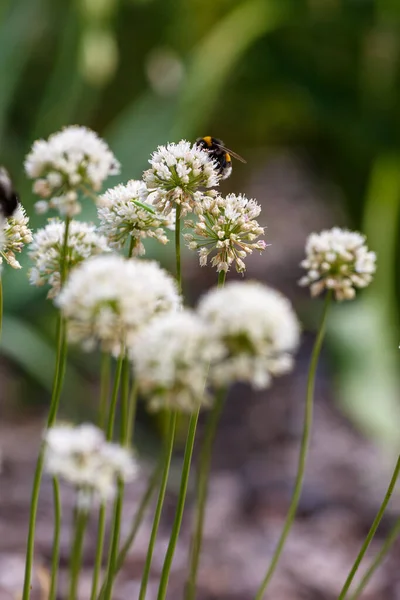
(9, 199)
(220, 154)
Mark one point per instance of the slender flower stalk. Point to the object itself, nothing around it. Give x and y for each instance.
(386, 546)
(118, 504)
(76, 553)
(1, 305)
(178, 247)
(162, 590)
(105, 375)
(135, 525)
(308, 414)
(161, 495)
(61, 359)
(55, 553)
(371, 532)
(202, 492)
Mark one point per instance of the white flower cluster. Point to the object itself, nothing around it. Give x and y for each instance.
(258, 329)
(72, 160)
(338, 260)
(177, 174)
(81, 456)
(108, 299)
(15, 234)
(46, 251)
(171, 359)
(227, 226)
(125, 212)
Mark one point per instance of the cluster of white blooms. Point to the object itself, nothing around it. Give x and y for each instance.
(15, 234)
(338, 260)
(171, 359)
(72, 160)
(108, 299)
(81, 456)
(125, 212)
(259, 331)
(46, 251)
(228, 227)
(178, 173)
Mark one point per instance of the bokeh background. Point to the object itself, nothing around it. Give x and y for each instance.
(308, 92)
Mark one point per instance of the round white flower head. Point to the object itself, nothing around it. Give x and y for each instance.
(125, 212)
(46, 250)
(171, 359)
(338, 260)
(259, 331)
(228, 227)
(15, 234)
(108, 299)
(72, 160)
(81, 456)
(178, 172)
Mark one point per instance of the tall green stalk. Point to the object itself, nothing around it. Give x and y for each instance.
(55, 554)
(386, 546)
(151, 487)
(161, 495)
(61, 359)
(1, 305)
(118, 504)
(308, 414)
(162, 590)
(371, 532)
(178, 247)
(105, 376)
(202, 493)
(76, 553)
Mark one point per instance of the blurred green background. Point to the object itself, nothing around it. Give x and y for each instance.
(319, 77)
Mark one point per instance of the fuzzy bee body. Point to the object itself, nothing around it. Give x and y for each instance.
(219, 153)
(9, 199)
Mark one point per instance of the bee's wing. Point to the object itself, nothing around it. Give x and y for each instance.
(237, 156)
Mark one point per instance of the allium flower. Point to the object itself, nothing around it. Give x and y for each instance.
(70, 160)
(15, 234)
(108, 299)
(82, 457)
(258, 328)
(338, 260)
(125, 212)
(171, 359)
(228, 227)
(177, 173)
(46, 250)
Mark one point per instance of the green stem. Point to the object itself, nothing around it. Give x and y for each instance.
(118, 504)
(101, 523)
(61, 359)
(308, 414)
(160, 502)
(202, 492)
(135, 525)
(221, 278)
(101, 526)
(372, 531)
(116, 528)
(178, 247)
(1, 305)
(132, 411)
(386, 546)
(114, 398)
(105, 375)
(162, 590)
(55, 554)
(76, 553)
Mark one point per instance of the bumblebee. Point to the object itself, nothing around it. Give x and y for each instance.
(9, 199)
(219, 153)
